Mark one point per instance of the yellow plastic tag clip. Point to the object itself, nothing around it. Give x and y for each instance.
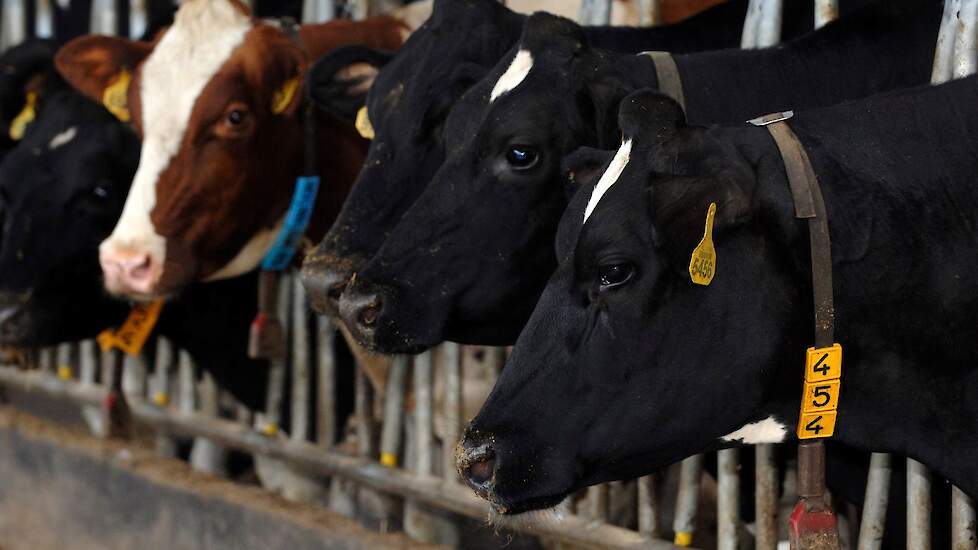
(161, 399)
(132, 335)
(115, 97)
(283, 96)
(18, 126)
(388, 459)
(703, 262)
(364, 127)
(820, 397)
(64, 372)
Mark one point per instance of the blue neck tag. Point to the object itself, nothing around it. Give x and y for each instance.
(296, 221)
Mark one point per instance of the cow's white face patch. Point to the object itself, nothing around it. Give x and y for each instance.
(202, 38)
(768, 430)
(63, 138)
(610, 177)
(514, 75)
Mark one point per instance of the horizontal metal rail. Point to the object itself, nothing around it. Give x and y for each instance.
(430, 490)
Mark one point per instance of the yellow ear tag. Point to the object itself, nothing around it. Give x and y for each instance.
(115, 97)
(363, 124)
(132, 335)
(283, 96)
(703, 263)
(18, 126)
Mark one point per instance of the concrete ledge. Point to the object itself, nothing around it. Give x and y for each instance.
(60, 488)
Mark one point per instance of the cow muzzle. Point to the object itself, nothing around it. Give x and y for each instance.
(325, 279)
(130, 273)
(361, 311)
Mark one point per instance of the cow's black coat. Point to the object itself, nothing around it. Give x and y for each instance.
(469, 258)
(411, 96)
(626, 365)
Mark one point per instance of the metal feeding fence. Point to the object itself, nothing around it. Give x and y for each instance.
(398, 446)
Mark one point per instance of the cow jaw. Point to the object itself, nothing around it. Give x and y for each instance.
(250, 255)
(202, 39)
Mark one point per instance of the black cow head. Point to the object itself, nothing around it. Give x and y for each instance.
(408, 103)
(470, 257)
(61, 191)
(625, 365)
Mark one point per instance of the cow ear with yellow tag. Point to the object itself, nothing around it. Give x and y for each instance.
(286, 97)
(102, 68)
(18, 126)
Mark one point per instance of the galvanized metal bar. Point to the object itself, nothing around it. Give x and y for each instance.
(206, 455)
(326, 392)
(45, 359)
(186, 383)
(597, 502)
(649, 12)
(393, 427)
(966, 40)
(918, 506)
(648, 507)
(134, 379)
(64, 359)
(301, 367)
(451, 364)
(318, 11)
(875, 502)
(303, 455)
(769, 26)
(728, 498)
(963, 534)
(423, 410)
(103, 18)
(946, 38)
(87, 376)
(164, 363)
(826, 11)
(595, 12)
(687, 501)
(271, 419)
(748, 37)
(13, 22)
(765, 498)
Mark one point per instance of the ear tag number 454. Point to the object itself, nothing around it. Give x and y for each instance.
(820, 399)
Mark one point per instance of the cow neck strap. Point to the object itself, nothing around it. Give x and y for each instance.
(813, 517)
(670, 83)
(267, 336)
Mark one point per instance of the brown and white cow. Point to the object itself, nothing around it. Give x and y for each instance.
(216, 100)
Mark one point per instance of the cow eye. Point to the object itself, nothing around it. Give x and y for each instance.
(611, 276)
(236, 117)
(522, 157)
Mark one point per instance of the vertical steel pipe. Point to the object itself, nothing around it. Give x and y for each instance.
(87, 376)
(365, 415)
(161, 377)
(597, 502)
(875, 502)
(769, 26)
(326, 392)
(393, 426)
(595, 12)
(451, 364)
(186, 383)
(14, 21)
(64, 360)
(423, 409)
(318, 11)
(687, 501)
(963, 536)
(728, 498)
(134, 376)
(650, 12)
(301, 368)
(825, 12)
(918, 506)
(648, 507)
(946, 38)
(765, 497)
(966, 40)
(45, 359)
(748, 37)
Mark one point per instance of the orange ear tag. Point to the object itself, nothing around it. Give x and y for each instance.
(364, 127)
(18, 126)
(132, 335)
(703, 262)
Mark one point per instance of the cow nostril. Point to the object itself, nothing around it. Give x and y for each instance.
(370, 314)
(481, 471)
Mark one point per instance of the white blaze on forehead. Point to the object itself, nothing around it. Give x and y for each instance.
(202, 38)
(610, 177)
(514, 75)
(63, 138)
(768, 430)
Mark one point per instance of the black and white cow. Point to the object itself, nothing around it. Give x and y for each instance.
(468, 260)
(626, 365)
(410, 98)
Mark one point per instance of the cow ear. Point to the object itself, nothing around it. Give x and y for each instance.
(583, 167)
(26, 77)
(603, 98)
(650, 117)
(101, 68)
(339, 82)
